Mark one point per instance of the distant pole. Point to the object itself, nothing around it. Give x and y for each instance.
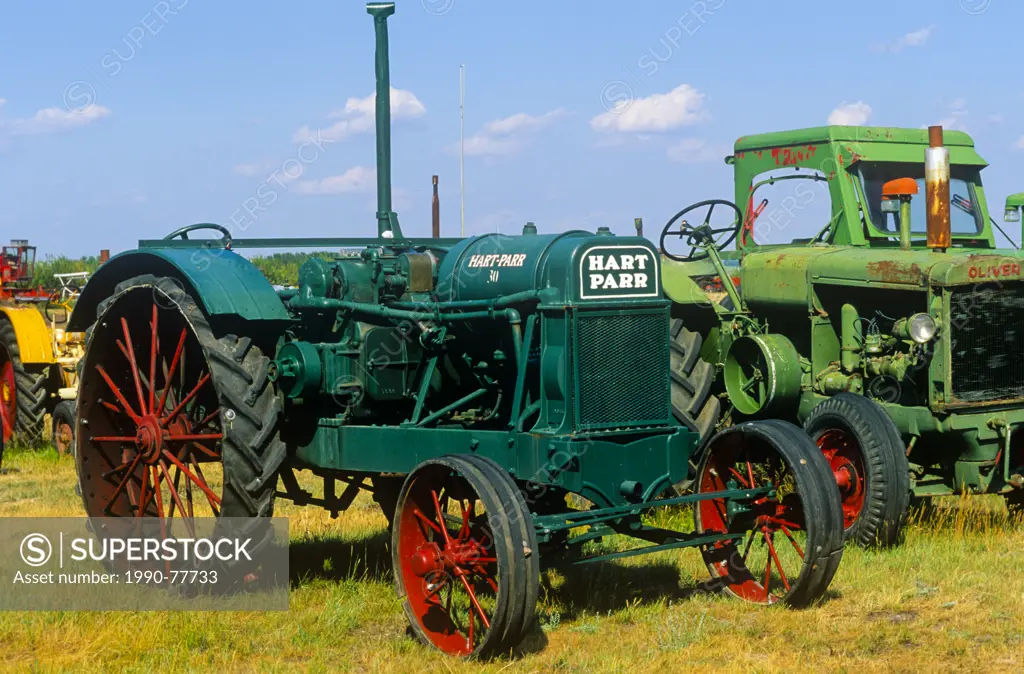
(462, 147)
(435, 213)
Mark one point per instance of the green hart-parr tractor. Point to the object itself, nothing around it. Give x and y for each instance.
(506, 399)
(893, 334)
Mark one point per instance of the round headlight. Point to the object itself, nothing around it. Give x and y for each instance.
(921, 328)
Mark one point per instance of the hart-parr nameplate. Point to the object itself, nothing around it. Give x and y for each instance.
(610, 272)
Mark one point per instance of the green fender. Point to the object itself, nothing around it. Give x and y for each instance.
(221, 281)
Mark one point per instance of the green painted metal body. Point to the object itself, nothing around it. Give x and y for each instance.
(547, 353)
(226, 283)
(837, 299)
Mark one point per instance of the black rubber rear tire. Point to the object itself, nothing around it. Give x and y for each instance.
(886, 490)
(691, 382)
(251, 449)
(30, 393)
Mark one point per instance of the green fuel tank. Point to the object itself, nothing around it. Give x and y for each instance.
(571, 267)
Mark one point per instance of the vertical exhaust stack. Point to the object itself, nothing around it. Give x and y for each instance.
(387, 220)
(936, 179)
(435, 213)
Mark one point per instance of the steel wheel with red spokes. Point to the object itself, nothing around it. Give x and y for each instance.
(788, 546)
(869, 465)
(468, 575)
(175, 422)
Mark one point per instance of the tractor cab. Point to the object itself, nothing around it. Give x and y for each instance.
(18, 263)
(828, 182)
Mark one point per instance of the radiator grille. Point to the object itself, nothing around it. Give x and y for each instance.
(622, 369)
(987, 333)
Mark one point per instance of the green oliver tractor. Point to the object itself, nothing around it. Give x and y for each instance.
(472, 386)
(893, 332)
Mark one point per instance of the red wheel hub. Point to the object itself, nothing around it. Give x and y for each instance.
(847, 462)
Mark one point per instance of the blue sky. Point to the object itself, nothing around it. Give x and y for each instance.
(125, 120)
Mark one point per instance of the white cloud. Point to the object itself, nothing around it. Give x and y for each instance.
(956, 118)
(482, 145)
(356, 179)
(358, 115)
(915, 38)
(696, 150)
(995, 118)
(522, 121)
(682, 106)
(850, 114)
(2, 101)
(508, 134)
(53, 120)
(1019, 145)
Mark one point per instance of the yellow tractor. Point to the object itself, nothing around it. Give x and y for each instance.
(38, 377)
(38, 358)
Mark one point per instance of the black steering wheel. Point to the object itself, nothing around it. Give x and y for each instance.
(701, 236)
(183, 232)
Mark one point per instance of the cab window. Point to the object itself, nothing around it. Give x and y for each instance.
(964, 215)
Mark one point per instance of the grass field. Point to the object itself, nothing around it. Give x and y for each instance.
(951, 598)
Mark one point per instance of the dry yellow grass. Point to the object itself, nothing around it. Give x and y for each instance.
(951, 598)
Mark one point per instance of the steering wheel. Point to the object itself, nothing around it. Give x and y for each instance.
(703, 235)
(183, 232)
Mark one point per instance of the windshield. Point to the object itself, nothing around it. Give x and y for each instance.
(963, 214)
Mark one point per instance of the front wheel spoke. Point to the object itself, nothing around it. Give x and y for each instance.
(441, 518)
(475, 602)
(112, 438)
(426, 520)
(767, 572)
(778, 564)
(739, 476)
(792, 540)
(750, 468)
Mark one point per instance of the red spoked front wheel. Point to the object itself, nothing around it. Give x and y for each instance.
(787, 546)
(464, 556)
(174, 420)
